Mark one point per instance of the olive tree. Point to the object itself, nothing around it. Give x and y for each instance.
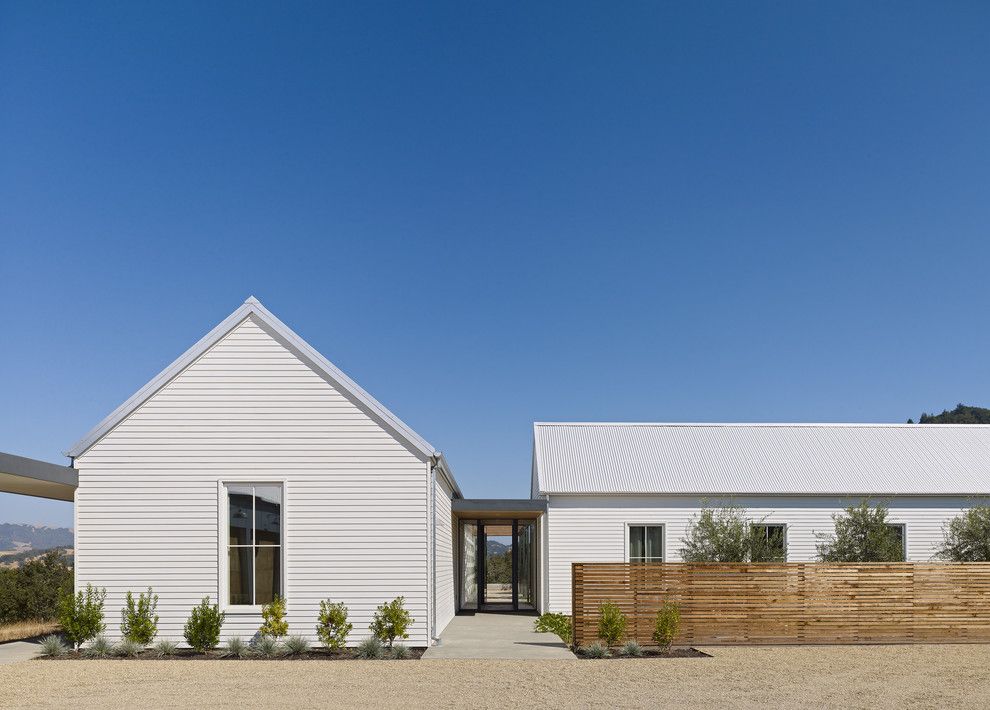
(966, 538)
(862, 534)
(727, 534)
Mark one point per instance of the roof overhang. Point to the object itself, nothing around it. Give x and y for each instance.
(498, 508)
(41, 479)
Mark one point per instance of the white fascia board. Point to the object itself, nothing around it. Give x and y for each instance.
(253, 308)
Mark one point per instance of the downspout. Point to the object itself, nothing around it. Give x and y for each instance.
(433, 545)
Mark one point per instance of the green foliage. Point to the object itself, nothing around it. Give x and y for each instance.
(202, 630)
(33, 589)
(962, 414)
(81, 615)
(391, 621)
(727, 535)
(966, 538)
(666, 624)
(400, 652)
(138, 620)
(332, 626)
(99, 648)
(268, 647)
(611, 623)
(596, 650)
(632, 649)
(296, 645)
(498, 567)
(53, 646)
(165, 648)
(862, 534)
(236, 648)
(370, 649)
(559, 624)
(274, 624)
(128, 648)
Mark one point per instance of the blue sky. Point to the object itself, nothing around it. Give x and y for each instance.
(494, 213)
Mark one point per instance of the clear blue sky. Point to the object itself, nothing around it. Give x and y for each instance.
(494, 213)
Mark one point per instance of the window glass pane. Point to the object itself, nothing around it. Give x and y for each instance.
(239, 575)
(637, 542)
(267, 515)
(654, 542)
(899, 536)
(239, 514)
(267, 574)
(469, 566)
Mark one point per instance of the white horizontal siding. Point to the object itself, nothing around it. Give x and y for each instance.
(445, 555)
(593, 528)
(356, 498)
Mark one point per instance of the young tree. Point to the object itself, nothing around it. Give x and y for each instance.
(966, 538)
(862, 534)
(727, 534)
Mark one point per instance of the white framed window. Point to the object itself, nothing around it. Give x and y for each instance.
(900, 530)
(774, 534)
(252, 544)
(644, 542)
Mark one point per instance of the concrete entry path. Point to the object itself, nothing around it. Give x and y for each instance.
(496, 636)
(14, 651)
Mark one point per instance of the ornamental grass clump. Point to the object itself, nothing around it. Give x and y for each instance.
(596, 650)
(52, 646)
(138, 620)
(99, 648)
(559, 624)
(202, 630)
(165, 648)
(332, 626)
(400, 652)
(267, 647)
(296, 645)
(81, 615)
(274, 624)
(665, 626)
(632, 649)
(370, 649)
(391, 621)
(235, 648)
(611, 624)
(127, 648)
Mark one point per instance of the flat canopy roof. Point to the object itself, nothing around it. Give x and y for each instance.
(498, 507)
(41, 479)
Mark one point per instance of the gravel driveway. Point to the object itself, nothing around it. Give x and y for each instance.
(850, 676)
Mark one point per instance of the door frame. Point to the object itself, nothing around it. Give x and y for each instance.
(481, 557)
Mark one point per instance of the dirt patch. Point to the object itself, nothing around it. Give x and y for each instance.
(650, 653)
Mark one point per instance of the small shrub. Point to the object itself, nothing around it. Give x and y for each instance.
(596, 650)
(296, 645)
(632, 649)
(138, 620)
(275, 624)
(665, 627)
(99, 648)
(391, 621)
(128, 648)
(236, 648)
(202, 630)
(332, 627)
(370, 649)
(165, 648)
(268, 647)
(81, 615)
(53, 646)
(559, 624)
(400, 652)
(611, 623)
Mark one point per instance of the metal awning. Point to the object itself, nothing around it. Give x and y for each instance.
(41, 479)
(498, 507)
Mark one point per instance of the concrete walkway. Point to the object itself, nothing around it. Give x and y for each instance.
(14, 651)
(496, 636)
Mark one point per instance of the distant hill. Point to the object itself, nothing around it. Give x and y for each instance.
(962, 414)
(497, 548)
(33, 537)
(15, 559)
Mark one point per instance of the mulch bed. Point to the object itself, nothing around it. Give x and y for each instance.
(187, 654)
(651, 653)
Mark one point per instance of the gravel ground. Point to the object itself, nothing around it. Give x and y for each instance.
(849, 677)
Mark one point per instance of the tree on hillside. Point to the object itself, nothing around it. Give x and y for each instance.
(862, 534)
(962, 414)
(727, 534)
(966, 538)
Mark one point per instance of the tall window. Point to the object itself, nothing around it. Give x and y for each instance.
(899, 530)
(254, 543)
(646, 543)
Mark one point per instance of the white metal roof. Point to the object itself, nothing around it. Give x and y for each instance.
(775, 459)
(252, 308)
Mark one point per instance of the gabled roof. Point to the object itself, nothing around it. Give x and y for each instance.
(252, 308)
(769, 459)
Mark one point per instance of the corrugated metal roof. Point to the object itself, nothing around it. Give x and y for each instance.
(874, 459)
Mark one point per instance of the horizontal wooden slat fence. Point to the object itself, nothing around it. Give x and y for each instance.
(792, 602)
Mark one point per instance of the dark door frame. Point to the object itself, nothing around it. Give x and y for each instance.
(481, 556)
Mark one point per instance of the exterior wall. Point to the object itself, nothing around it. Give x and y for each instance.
(443, 526)
(593, 528)
(356, 503)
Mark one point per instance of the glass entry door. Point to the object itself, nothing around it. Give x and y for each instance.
(497, 565)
